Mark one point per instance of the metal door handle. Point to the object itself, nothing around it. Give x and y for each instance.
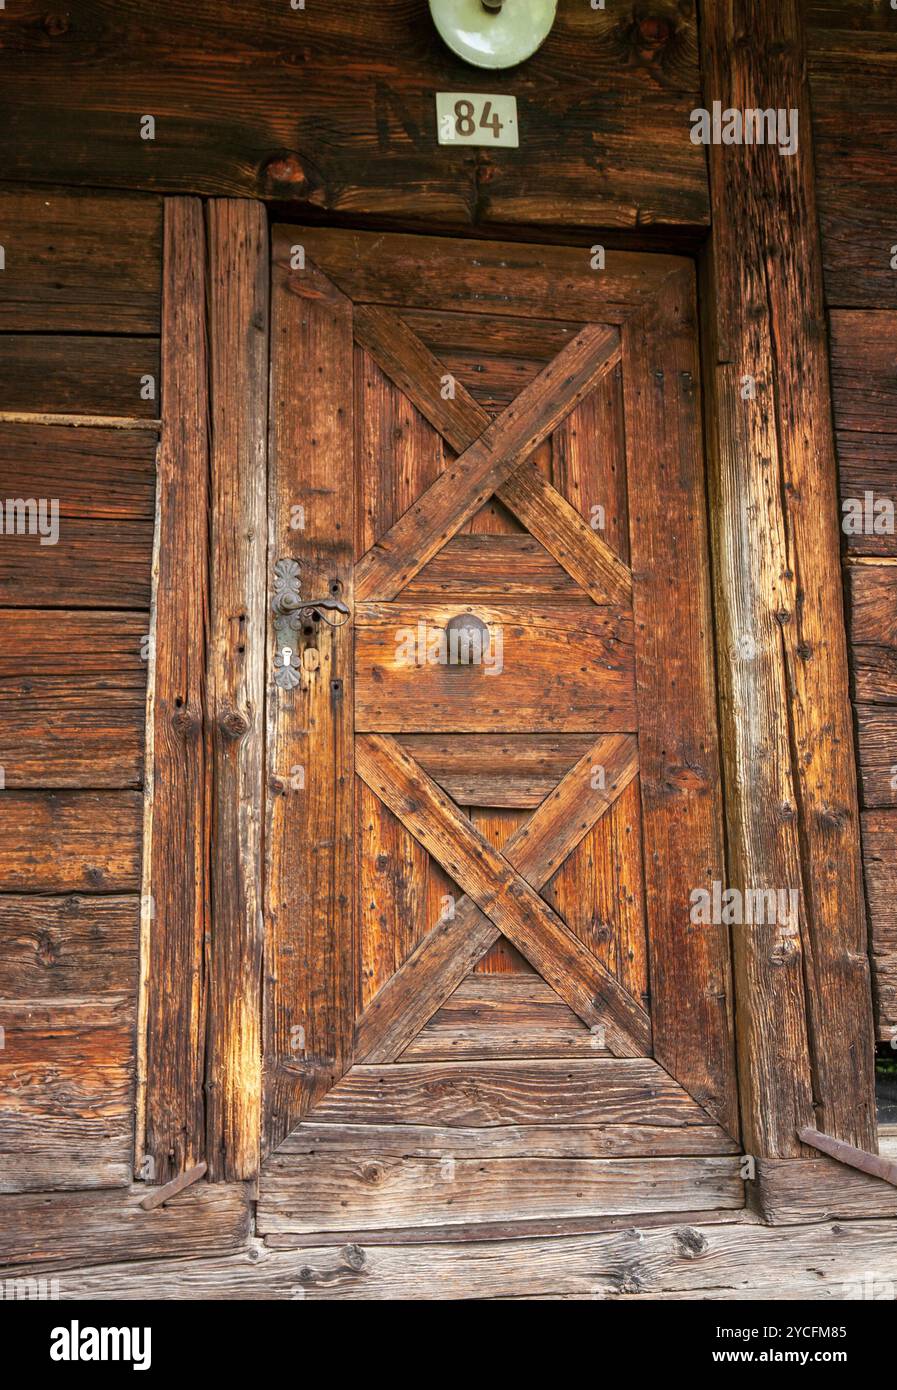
(289, 610)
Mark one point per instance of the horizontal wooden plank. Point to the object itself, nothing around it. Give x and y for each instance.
(70, 842)
(685, 1259)
(880, 871)
(80, 262)
(794, 1191)
(347, 124)
(486, 566)
(72, 698)
(852, 61)
(94, 472)
(409, 271)
(872, 595)
(333, 1192)
(564, 668)
(497, 769)
(357, 1142)
(877, 751)
(48, 1230)
(569, 1091)
(499, 1016)
(51, 948)
(96, 564)
(66, 1092)
(102, 483)
(89, 375)
(864, 393)
(872, 590)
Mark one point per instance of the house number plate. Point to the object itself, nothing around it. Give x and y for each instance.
(476, 118)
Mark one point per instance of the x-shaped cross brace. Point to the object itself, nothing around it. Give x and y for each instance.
(492, 458)
(501, 897)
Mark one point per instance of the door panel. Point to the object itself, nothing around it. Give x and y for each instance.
(493, 776)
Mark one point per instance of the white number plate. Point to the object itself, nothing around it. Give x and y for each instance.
(476, 118)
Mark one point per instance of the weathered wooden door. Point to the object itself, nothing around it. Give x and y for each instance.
(493, 779)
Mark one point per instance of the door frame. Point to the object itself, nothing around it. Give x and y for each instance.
(187, 958)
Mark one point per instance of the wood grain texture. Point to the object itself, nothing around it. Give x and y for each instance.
(567, 536)
(852, 62)
(70, 842)
(599, 892)
(570, 1091)
(51, 948)
(788, 741)
(563, 668)
(458, 942)
(503, 894)
(877, 748)
(531, 1141)
(80, 262)
(470, 567)
(50, 373)
(369, 1189)
(516, 770)
(72, 698)
(880, 868)
(492, 356)
(409, 272)
(310, 848)
(176, 850)
(699, 1258)
(864, 397)
(66, 1082)
(394, 901)
(793, 1192)
(527, 493)
(872, 598)
(235, 677)
(333, 110)
(470, 481)
(679, 774)
(103, 482)
(48, 1231)
(491, 1016)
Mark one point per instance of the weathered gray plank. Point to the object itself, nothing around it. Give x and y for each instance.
(334, 1192)
(52, 1229)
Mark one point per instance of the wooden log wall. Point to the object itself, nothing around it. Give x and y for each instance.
(852, 59)
(79, 317)
(332, 105)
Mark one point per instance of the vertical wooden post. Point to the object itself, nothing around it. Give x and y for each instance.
(803, 1010)
(310, 883)
(238, 361)
(171, 1120)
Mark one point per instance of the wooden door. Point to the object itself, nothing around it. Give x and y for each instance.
(482, 847)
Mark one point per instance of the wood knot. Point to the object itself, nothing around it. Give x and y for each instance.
(56, 24)
(373, 1174)
(285, 170)
(353, 1257)
(184, 721)
(233, 724)
(690, 1242)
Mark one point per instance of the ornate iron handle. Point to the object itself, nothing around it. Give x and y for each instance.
(290, 610)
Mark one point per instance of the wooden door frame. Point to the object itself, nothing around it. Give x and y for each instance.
(181, 953)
